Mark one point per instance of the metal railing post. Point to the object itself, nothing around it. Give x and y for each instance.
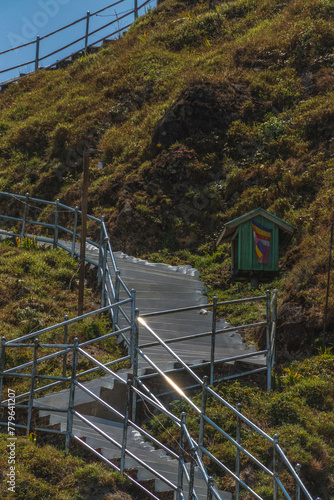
(87, 30)
(24, 216)
(268, 342)
(210, 487)
(37, 53)
(237, 460)
(72, 393)
(192, 473)
(181, 457)
(135, 365)
(104, 268)
(275, 468)
(133, 324)
(136, 9)
(213, 340)
(55, 233)
(2, 363)
(32, 386)
(115, 310)
(274, 323)
(203, 409)
(298, 468)
(75, 226)
(125, 424)
(65, 342)
(99, 277)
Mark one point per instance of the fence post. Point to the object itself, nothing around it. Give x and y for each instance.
(87, 30)
(72, 392)
(125, 424)
(115, 310)
(75, 226)
(24, 216)
(237, 460)
(37, 53)
(192, 473)
(135, 365)
(99, 277)
(210, 487)
(136, 9)
(55, 234)
(133, 325)
(274, 322)
(268, 342)
(181, 456)
(104, 268)
(275, 467)
(2, 363)
(298, 467)
(65, 342)
(203, 409)
(213, 340)
(32, 385)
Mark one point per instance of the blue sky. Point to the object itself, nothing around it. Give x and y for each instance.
(22, 20)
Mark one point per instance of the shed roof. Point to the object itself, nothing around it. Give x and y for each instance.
(231, 228)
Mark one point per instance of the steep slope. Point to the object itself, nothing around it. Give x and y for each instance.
(202, 114)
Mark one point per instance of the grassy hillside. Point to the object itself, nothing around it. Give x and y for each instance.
(37, 287)
(202, 115)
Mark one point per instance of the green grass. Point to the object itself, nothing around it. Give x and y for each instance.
(256, 79)
(300, 410)
(38, 288)
(49, 473)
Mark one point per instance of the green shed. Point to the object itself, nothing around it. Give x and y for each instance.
(255, 238)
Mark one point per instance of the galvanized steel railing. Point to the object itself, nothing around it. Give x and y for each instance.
(111, 283)
(84, 39)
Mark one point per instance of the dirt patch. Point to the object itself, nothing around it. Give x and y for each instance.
(201, 109)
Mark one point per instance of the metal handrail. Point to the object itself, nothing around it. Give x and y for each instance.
(196, 448)
(85, 37)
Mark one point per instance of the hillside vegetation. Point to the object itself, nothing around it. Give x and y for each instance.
(202, 115)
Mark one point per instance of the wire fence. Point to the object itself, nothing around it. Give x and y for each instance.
(91, 37)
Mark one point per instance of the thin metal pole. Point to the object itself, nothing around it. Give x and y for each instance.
(37, 53)
(274, 323)
(2, 363)
(327, 291)
(210, 487)
(75, 226)
(135, 365)
(203, 410)
(104, 268)
(24, 216)
(84, 203)
(275, 467)
(181, 455)
(65, 342)
(237, 461)
(115, 311)
(87, 30)
(72, 393)
(99, 277)
(213, 340)
(125, 424)
(298, 468)
(192, 474)
(136, 9)
(133, 325)
(32, 386)
(55, 234)
(268, 342)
